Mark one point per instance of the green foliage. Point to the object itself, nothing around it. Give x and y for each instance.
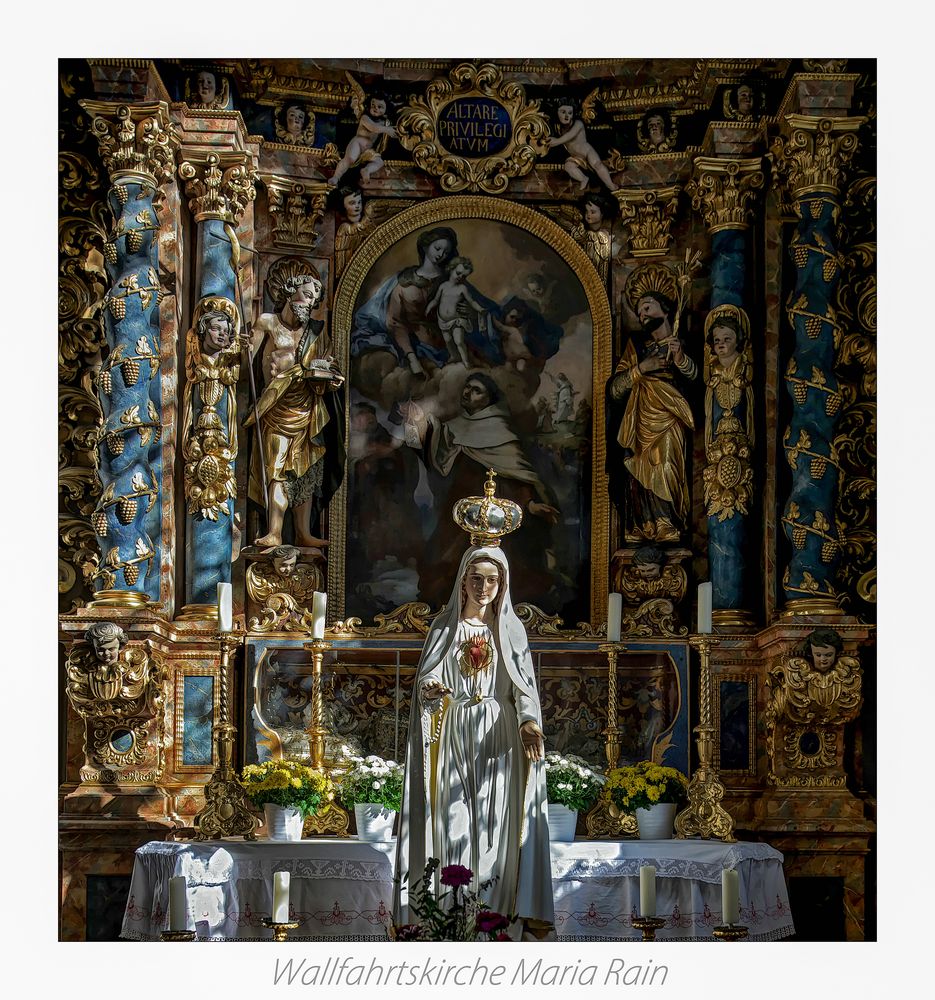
(372, 779)
(642, 785)
(570, 782)
(287, 783)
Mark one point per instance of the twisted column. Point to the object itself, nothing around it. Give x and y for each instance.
(725, 191)
(219, 185)
(811, 160)
(137, 146)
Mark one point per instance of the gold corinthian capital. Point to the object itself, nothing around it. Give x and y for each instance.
(136, 141)
(812, 157)
(219, 184)
(725, 191)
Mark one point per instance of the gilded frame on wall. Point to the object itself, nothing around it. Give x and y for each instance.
(555, 245)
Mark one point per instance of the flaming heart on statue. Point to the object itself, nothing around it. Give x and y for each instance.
(475, 656)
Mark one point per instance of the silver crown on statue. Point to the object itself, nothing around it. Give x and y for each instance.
(488, 518)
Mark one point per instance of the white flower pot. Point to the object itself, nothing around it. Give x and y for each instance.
(655, 823)
(374, 822)
(283, 822)
(562, 822)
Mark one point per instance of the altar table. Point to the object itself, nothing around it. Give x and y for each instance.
(342, 888)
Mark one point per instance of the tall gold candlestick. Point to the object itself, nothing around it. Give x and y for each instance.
(227, 811)
(704, 816)
(612, 731)
(317, 732)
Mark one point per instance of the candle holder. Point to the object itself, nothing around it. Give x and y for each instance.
(731, 932)
(227, 811)
(704, 816)
(280, 929)
(332, 818)
(612, 731)
(177, 935)
(604, 819)
(317, 733)
(648, 925)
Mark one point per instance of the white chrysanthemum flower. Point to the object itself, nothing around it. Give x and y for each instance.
(378, 784)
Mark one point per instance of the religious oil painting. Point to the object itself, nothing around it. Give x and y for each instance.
(471, 348)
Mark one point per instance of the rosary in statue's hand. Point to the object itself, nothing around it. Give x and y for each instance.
(533, 740)
(434, 690)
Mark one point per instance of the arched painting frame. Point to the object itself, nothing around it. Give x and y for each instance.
(489, 227)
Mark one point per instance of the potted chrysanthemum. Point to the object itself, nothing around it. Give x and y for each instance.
(288, 792)
(650, 791)
(374, 787)
(573, 787)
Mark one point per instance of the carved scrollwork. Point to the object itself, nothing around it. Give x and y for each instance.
(648, 216)
(436, 142)
(296, 211)
(219, 185)
(809, 701)
(725, 191)
(813, 158)
(413, 617)
(137, 139)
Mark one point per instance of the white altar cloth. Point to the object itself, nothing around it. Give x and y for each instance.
(596, 887)
(342, 888)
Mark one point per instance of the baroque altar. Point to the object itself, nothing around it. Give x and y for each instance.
(306, 305)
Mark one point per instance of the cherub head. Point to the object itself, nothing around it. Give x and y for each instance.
(106, 639)
(515, 312)
(215, 332)
(657, 127)
(726, 339)
(284, 558)
(376, 106)
(648, 561)
(566, 111)
(459, 268)
(596, 210)
(746, 99)
(204, 87)
(823, 647)
(352, 202)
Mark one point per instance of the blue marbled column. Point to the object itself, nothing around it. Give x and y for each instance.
(209, 540)
(128, 516)
(808, 518)
(220, 184)
(727, 539)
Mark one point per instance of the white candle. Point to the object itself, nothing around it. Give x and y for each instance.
(281, 897)
(730, 896)
(614, 611)
(319, 604)
(225, 607)
(178, 903)
(705, 602)
(647, 891)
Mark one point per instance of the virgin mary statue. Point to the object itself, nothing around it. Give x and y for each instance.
(474, 792)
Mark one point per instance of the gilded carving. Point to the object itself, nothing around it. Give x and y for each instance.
(648, 216)
(136, 140)
(209, 443)
(811, 696)
(296, 211)
(219, 185)
(728, 374)
(650, 574)
(813, 158)
(283, 589)
(360, 220)
(590, 227)
(656, 132)
(725, 191)
(119, 691)
(295, 124)
(436, 142)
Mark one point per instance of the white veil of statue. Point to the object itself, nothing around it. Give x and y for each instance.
(489, 800)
